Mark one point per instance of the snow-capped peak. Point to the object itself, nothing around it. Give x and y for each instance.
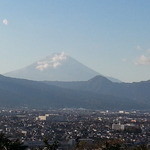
(52, 62)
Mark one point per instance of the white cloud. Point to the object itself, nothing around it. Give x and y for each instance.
(124, 60)
(56, 64)
(143, 60)
(138, 47)
(42, 66)
(5, 21)
(52, 62)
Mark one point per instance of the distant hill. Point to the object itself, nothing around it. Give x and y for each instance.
(86, 94)
(57, 67)
(137, 91)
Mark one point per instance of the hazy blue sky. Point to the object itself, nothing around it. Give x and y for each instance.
(110, 36)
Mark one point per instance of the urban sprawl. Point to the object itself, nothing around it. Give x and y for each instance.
(77, 128)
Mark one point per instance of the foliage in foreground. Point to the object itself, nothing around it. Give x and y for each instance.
(7, 144)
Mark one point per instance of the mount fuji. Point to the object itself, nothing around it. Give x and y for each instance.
(57, 67)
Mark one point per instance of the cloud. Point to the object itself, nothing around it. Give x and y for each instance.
(59, 57)
(143, 60)
(5, 21)
(52, 62)
(124, 59)
(138, 47)
(42, 66)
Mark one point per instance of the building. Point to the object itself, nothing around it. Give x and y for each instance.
(118, 127)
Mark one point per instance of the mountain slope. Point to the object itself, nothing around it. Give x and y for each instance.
(139, 91)
(34, 94)
(58, 67)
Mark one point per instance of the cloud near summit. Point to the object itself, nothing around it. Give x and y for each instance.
(52, 62)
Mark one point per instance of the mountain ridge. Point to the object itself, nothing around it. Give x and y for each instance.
(101, 85)
(35, 94)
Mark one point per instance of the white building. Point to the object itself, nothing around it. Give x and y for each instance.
(41, 117)
(118, 126)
